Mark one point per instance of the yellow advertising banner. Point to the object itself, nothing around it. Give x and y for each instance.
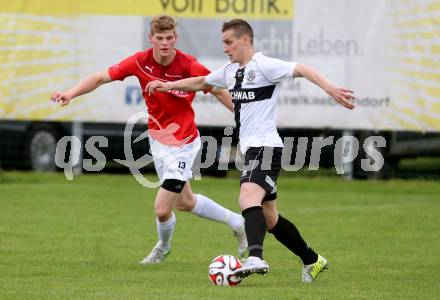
(248, 9)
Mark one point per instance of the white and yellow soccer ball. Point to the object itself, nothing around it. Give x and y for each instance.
(221, 270)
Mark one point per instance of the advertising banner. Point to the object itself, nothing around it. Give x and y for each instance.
(388, 52)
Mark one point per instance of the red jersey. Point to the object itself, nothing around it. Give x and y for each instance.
(171, 118)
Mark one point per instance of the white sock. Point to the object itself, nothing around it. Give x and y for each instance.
(165, 232)
(207, 208)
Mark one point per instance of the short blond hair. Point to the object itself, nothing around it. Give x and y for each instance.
(162, 23)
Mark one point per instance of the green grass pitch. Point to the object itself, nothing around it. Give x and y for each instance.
(83, 239)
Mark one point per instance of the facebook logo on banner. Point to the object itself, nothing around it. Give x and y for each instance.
(133, 95)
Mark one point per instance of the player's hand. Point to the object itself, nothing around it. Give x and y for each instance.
(61, 98)
(156, 85)
(343, 96)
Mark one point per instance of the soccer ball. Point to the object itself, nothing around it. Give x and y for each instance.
(221, 270)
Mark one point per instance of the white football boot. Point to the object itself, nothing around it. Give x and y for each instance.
(251, 265)
(156, 256)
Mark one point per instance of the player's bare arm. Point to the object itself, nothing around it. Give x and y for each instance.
(342, 95)
(85, 86)
(193, 84)
(224, 97)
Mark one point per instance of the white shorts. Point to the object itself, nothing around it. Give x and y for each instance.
(174, 162)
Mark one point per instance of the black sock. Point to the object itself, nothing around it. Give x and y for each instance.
(288, 235)
(255, 226)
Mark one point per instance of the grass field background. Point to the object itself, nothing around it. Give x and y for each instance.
(84, 238)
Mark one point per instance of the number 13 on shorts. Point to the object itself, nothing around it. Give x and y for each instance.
(182, 165)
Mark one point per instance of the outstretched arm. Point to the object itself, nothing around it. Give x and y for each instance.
(85, 86)
(341, 95)
(192, 84)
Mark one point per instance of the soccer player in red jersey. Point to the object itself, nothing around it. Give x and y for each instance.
(174, 139)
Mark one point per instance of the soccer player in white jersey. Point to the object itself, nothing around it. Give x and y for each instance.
(173, 151)
(253, 81)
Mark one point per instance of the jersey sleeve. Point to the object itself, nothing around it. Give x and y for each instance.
(217, 78)
(276, 69)
(197, 69)
(123, 69)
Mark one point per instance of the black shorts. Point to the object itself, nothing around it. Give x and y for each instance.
(262, 166)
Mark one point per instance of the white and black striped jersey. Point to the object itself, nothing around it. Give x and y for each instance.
(254, 89)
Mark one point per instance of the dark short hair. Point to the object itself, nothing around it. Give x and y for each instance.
(162, 23)
(240, 28)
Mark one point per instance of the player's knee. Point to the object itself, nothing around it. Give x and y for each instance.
(162, 213)
(173, 185)
(246, 202)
